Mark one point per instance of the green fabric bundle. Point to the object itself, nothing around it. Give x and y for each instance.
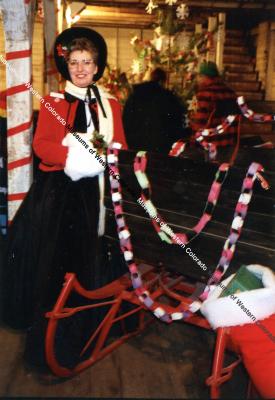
(243, 280)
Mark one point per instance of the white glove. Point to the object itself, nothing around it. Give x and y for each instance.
(82, 159)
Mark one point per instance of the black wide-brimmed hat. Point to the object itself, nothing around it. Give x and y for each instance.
(62, 46)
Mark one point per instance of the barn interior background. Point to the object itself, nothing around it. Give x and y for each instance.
(141, 34)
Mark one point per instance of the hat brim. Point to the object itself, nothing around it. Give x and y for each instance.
(67, 36)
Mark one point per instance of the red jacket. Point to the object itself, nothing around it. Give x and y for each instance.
(50, 131)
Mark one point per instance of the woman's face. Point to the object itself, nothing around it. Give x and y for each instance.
(81, 68)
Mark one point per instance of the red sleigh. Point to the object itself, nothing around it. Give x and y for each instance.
(119, 290)
(176, 285)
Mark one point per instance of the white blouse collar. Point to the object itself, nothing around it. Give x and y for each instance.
(77, 91)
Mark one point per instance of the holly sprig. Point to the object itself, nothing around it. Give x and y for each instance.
(98, 142)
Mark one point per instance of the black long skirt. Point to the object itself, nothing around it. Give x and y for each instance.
(54, 232)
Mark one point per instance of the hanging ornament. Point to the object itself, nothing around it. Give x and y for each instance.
(150, 7)
(170, 2)
(182, 11)
(192, 104)
(137, 67)
(158, 42)
(134, 40)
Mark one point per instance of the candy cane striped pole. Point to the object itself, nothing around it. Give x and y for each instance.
(18, 25)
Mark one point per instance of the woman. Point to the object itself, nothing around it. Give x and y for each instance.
(58, 227)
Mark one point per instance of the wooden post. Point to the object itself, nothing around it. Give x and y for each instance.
(18, 16)
(51, 11)
(169, 61)
(60, 9)
(38, 59)
(220, 41)
(270, 74)
(262, 51)
(198, 28)
(211, 54)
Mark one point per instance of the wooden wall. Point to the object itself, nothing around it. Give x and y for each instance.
(264, 41)
(120, 51)
(262, 51)
(270, 89)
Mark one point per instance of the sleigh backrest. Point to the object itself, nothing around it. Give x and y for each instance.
(180, 188)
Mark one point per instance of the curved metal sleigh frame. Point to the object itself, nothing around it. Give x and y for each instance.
(119, 290)
(161, 284)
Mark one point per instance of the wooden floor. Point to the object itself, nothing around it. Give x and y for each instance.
(169, 362)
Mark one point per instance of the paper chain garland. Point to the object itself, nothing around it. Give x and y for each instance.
(240, 213)
(177, 148)
(201, 135)
(251, 115)
(127, 249)
(125, 242)
(236, 226)
(165, 234)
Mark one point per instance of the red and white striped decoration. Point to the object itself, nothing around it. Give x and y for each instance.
(18, 25)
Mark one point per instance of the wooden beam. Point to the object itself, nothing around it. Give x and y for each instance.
(101, 12)
(231, 4)
(112, 24)
(115, 16)
(132, 14)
